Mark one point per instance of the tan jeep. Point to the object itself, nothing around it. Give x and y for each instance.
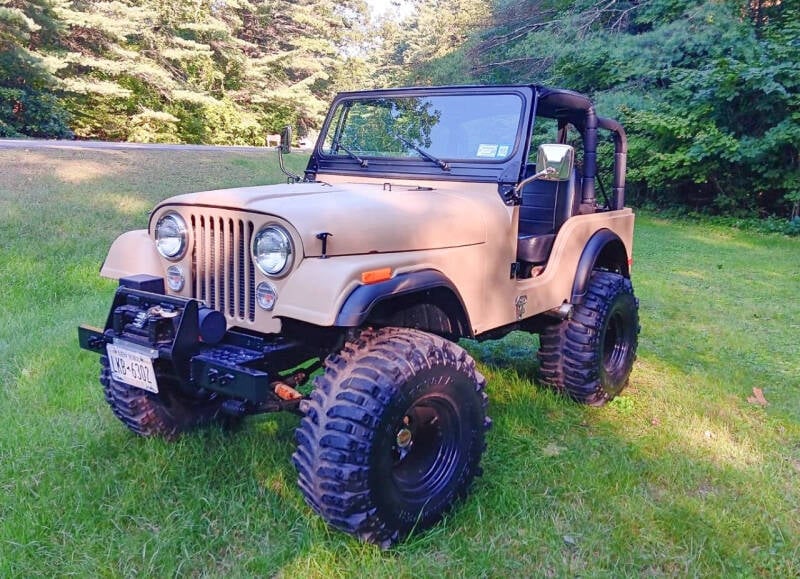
(419, 221)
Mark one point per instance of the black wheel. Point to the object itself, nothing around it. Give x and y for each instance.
(392, 435)
(166, 414)
(590, 355)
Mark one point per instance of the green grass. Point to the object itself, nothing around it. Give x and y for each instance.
(679, 476)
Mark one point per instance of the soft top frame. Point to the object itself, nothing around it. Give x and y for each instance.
(560, 104)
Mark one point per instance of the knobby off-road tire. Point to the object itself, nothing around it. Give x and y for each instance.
(590, 355)
(164, 414)
(392, 435)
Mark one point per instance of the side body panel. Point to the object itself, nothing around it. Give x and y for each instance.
(555, 284)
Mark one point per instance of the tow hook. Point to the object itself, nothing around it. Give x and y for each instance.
(285, 389)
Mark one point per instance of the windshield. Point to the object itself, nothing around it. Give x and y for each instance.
(470, 127)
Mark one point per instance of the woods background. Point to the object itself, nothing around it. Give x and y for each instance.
(708, 91)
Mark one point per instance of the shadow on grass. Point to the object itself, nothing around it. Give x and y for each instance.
(515, 352)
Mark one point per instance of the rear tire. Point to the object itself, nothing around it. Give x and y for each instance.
(166, 414)
(590, 355)
(392, 435)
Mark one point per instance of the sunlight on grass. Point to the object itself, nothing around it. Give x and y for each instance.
(70, 166)
(82, 171)
(711, 440)
(125, 203)
(719, 239)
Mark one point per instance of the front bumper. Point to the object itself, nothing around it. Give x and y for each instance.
(192, 348)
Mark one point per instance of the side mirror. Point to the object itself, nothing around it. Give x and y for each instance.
(286, 139)
(286, 147)
(555, 162)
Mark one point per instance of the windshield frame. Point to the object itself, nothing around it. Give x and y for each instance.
(506, 169)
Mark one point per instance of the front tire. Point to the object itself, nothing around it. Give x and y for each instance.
(166, 414)
(590, 355)
(392, 435)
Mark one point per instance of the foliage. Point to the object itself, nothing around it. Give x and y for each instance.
(228, 72)
(766, 225)
(27, 103)
(153, 127)
(726, 130)
(32, 114)
(708, 90)
(425, 44)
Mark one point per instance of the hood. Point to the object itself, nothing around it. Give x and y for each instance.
(361, 218)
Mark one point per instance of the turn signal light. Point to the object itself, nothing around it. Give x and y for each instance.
(376, 275)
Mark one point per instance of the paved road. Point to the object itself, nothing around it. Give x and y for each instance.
(54, 144)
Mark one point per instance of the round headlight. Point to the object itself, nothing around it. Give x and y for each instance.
(272, 250)
(171, 236)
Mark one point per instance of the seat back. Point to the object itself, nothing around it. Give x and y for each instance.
(546, 205)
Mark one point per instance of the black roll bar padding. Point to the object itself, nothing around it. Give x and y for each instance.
(589, 157)
(620, 158)
(575, 108)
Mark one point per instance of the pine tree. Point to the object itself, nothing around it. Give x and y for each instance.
(28, 104)
(429, 43)
(227, 71)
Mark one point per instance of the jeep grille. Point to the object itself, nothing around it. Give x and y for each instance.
(223, 273)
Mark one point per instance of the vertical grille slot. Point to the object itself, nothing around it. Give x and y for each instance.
(223, 273)
(230, 264)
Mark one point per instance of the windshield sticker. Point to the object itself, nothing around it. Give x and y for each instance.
(486, 151)
(502, 151)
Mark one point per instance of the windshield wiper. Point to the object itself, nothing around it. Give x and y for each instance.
(425, 155)
(363, 162)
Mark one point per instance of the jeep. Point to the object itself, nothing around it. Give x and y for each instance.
(425, 216)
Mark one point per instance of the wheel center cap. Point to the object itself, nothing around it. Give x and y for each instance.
(404, 438)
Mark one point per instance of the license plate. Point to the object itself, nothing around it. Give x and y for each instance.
(133, 365)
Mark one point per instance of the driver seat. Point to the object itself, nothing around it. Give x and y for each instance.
(545, 206)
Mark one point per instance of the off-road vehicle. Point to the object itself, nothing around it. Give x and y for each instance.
(419, 221)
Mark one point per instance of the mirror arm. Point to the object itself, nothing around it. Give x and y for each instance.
(539, 175)
(293, 178)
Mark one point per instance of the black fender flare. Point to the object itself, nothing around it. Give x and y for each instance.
(358, 305)
(604, 249)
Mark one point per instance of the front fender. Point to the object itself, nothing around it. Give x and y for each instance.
(360, 302)
(132, 253)
(316, 291)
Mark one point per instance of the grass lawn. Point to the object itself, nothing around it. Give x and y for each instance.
(681, 475)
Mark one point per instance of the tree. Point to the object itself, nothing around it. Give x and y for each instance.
(430, 44)
(27, 103)
(229, 72)
(708, 90)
